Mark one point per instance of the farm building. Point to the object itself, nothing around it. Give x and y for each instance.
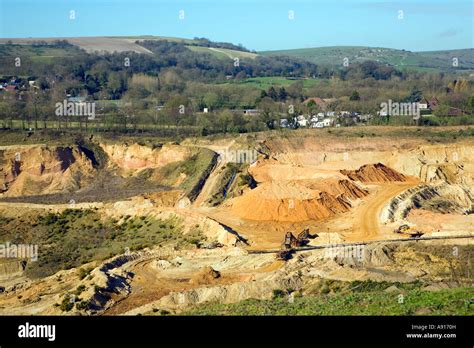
(251, 112)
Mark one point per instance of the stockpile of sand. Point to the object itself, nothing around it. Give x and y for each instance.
(288, 202)
(205, 276)
(336, 187)
(374, 173)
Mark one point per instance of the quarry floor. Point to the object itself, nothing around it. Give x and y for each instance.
(244, 275)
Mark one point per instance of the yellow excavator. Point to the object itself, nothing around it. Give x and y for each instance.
(408, 230)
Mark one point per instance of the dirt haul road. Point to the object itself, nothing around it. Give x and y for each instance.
(366, 224)
(210, 183)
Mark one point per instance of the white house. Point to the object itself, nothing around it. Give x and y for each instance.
(327, 122)
(313, 120)
(302, 121)
(423, 105)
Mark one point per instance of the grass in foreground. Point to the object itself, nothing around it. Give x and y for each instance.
(415, 301)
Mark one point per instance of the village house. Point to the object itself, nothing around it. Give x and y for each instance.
(327, 122)
(302, 121)
(10, 88)
(313, 120)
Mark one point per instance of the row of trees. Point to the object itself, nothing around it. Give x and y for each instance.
(176, 76)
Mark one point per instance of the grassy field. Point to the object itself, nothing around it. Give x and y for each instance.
(367, 298)
(223, 53)
(399, 58)
(275, 81)
(43, 53)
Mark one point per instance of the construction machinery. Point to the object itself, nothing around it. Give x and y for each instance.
(295, 242)
(290, 242)
(406, 229)
(284, 255)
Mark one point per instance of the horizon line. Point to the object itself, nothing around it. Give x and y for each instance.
(185, 38)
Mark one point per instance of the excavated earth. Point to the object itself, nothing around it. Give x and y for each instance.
(343, 189)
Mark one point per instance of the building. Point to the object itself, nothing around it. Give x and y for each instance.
(313, 120)
(327, 122)
(424, 104)
(302, 121)
(433, 103)
(10, 88)
(251, 112)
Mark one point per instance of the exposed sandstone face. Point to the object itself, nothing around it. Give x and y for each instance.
(11, 268)
(443, 198)
(43, 170)
(136, 157)
(407, 156)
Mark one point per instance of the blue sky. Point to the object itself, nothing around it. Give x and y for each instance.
(257, 24)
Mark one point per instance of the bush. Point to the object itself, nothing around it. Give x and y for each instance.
(66, 304)
(84, 272)
(79, 290)
(278, 293)
(83, 305)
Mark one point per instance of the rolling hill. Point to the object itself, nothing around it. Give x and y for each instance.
(331, 56)
(223, 53)
(105, 44)
(401, 59)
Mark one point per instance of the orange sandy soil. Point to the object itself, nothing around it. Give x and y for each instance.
(361, 223)
(148, 286)
(436, 222)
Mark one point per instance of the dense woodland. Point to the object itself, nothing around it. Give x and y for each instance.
(132, 90)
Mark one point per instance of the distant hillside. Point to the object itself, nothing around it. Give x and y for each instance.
(89, 44)
(334, 56)
(401, 59)
(105, 44)
(223, 53)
